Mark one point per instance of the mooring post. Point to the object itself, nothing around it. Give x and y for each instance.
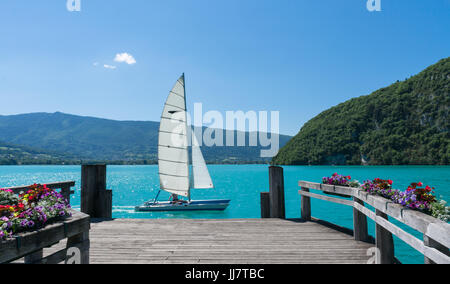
(265, 205)
(276, 183)
(96, 201)
(384, 242)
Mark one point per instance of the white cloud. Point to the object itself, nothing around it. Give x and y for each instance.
(109, 66)
(125, 57)
(96, 64)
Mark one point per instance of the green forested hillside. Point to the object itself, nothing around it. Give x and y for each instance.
(17, 155)
(95, 139)
(406, 123)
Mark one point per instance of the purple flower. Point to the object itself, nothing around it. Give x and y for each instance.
(31, 224)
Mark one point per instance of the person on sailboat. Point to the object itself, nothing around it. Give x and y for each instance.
(175, 199)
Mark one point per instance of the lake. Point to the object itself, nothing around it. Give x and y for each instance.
(133, 185)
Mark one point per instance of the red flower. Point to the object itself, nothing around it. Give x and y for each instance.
(390, 182)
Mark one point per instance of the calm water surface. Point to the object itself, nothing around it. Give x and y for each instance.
(133, 185)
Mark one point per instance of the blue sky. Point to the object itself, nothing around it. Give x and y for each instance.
(298, 57)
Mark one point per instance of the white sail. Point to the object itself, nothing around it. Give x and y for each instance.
(200, 174)
(173, 156)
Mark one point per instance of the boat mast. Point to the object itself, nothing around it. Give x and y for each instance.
(185, 107)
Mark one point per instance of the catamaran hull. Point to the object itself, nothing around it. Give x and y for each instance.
(203, 205)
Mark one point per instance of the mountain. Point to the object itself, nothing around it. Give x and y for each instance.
(406, 123)
(95, 139)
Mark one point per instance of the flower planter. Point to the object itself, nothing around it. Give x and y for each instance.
(30, 210)
(75, 229)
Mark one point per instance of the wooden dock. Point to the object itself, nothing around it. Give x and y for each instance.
(237, 241)
(270, 240)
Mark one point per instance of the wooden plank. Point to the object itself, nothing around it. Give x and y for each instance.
(248, 241)
(326, 198)
(309, 185)
(219, 241)
(327, 188)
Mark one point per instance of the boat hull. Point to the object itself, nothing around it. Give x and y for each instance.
(199, 205)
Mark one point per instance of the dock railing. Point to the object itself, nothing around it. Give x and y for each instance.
(436, 233)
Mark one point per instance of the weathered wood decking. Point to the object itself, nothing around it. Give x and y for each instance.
(241, 241)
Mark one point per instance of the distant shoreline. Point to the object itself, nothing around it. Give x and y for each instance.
(215, 163)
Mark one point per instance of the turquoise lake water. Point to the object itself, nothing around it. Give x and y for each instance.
(133, 185)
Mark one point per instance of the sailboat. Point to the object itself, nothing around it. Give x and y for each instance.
(174, 161)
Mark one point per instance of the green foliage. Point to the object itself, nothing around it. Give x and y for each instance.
(440, 210)
(406, 123)
(8, 198)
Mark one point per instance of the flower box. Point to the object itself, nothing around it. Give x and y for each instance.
(73, 228)
(30, 210)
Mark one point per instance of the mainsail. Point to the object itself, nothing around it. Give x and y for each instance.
(200, 174)
(173, 155)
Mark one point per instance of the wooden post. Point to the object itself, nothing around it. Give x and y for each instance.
(384, 242)
(81, 242)
(429, 242)
(95, 200)
(265, 204)
(306, 206)
(276, 184)
(360, 232)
